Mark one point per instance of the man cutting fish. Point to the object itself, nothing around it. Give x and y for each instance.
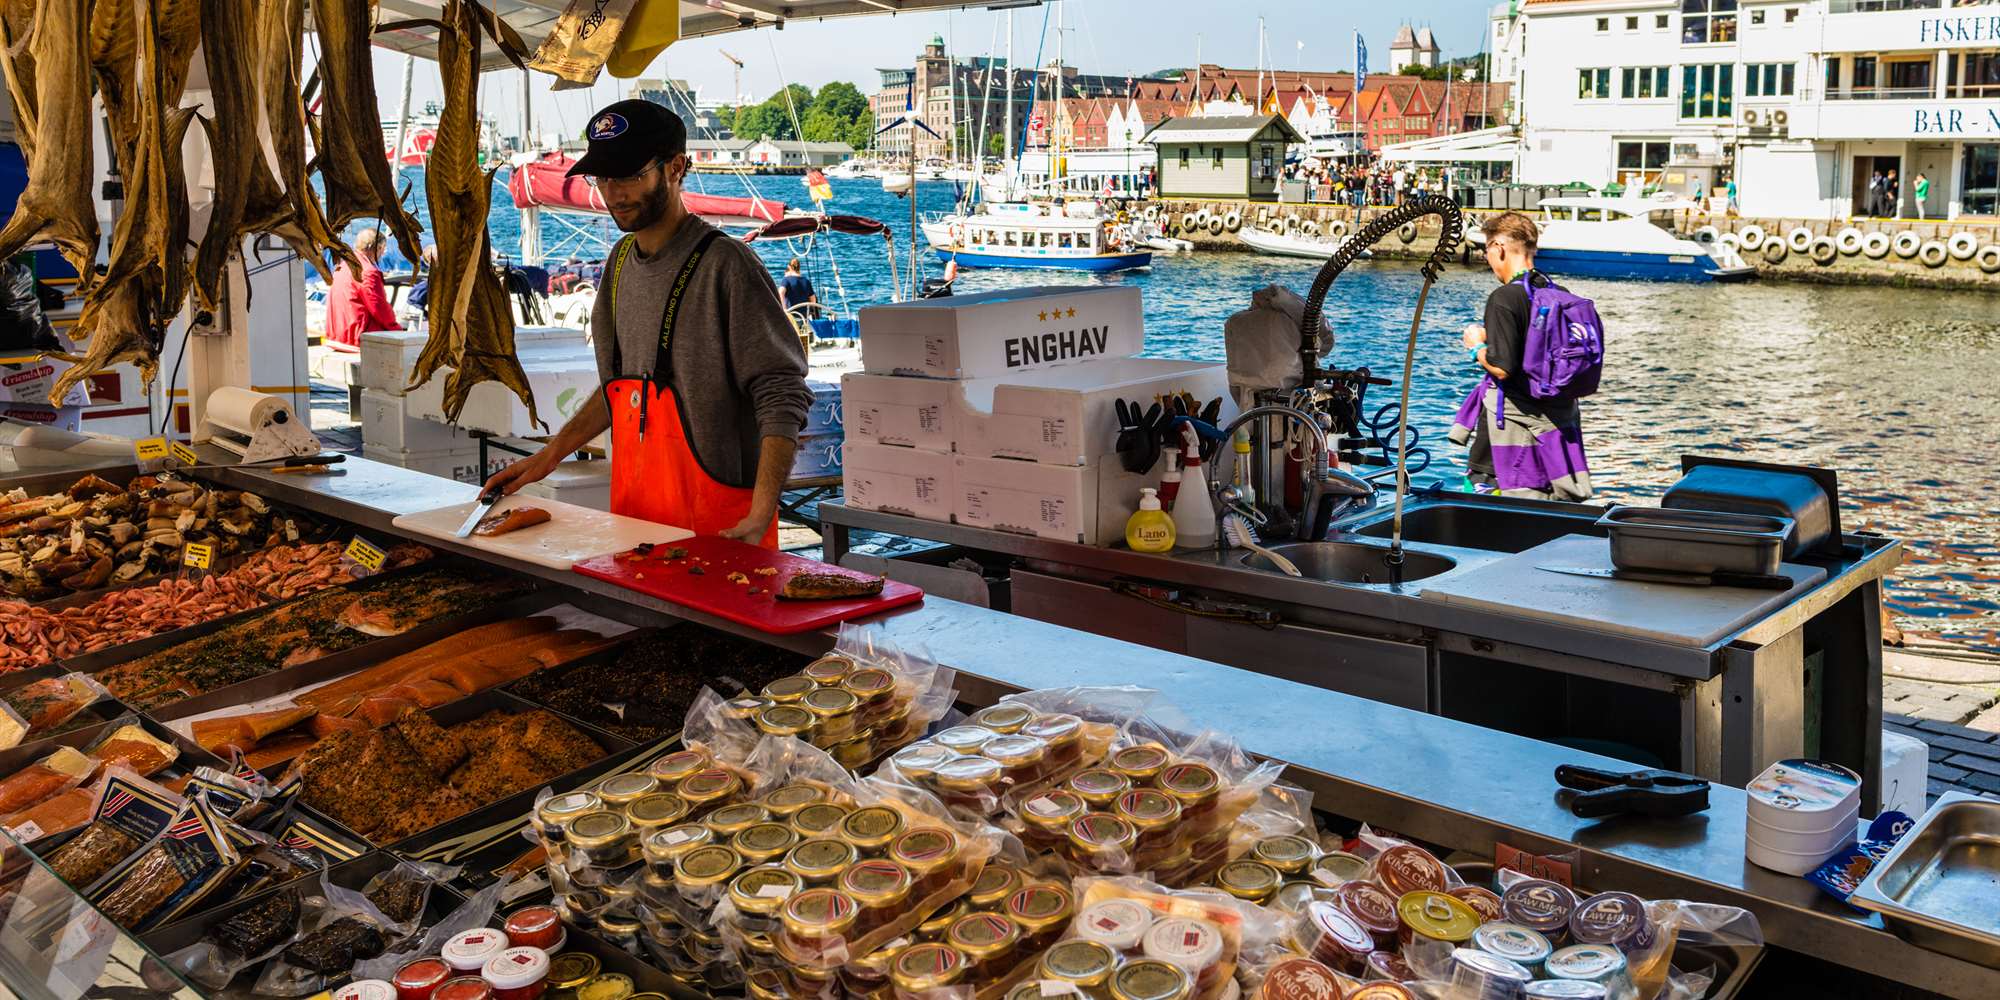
(704, 380)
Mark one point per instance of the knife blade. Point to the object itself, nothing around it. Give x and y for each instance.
(483, 507)
(1754, 581)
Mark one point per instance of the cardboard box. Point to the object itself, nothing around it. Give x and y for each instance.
(386, 424)
(818, 456)
(1002, 332)
(897, 480)
(825, 415)
(30, 382)
(584, 483)
(62, 418)
(1027, 498)
(1068, 415)
(899, 410)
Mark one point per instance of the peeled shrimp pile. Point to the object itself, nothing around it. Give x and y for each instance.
(31, 636)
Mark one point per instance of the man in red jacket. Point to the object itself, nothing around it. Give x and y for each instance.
(359, 305)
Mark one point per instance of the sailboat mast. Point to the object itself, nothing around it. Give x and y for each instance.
(1055, 122)
(1008, 154)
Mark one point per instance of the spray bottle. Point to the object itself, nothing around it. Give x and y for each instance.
(1194, 510)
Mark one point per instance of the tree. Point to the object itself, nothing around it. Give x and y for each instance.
(843, 101)
(996, 145)
(774, 117)
(860, 132)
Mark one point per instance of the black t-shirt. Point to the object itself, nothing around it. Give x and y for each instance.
(797, 288)
(1507, 312)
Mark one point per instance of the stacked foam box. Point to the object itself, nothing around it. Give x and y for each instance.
(410, 430)
(997, 410)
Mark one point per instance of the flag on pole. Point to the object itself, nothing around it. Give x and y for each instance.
(1360, 62)
(817, 186)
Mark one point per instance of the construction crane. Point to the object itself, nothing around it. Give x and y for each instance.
(737, 97)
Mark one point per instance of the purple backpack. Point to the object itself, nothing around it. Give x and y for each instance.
(1564, 354)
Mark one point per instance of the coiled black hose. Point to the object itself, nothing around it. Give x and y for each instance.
(1453, 226)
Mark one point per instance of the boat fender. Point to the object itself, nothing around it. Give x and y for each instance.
(1337, 228)
(1291, 224)
(1875, 245)
(1408, 233)
(1187, 221)
(1215, 225)
(1800, 239)
(1706, 235)
(1233, 221)
(1824, 250)
(1933, 254)
(1989, 259)
(1848, 242)
(1906, 243)
(1728, 244)
(1963, 246)
(1752, 236)
(1775, 251)
(1310, 227)
(1152, 213)
(1201, 219)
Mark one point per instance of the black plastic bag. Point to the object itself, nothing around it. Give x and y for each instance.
(23, 324)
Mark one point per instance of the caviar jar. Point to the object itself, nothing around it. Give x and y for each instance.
(1022, 758)
(1290, 855)
(708, 788)
(1064, 735)
(819, 862)
(1003, 718)
(932, 856)
(964, 739)
(785, 801)
(874, 687)
(735, 818)
(762, 984)
(1100, 787)
(556, 811)
(1087, 965)
(987, 940)
(787, 690)
(656, 811)
(836, 713)
(1150, 979)
(1153, 813)
(919, 761)
(675, 767)
(868, 975)
(994, 884)
(871, 829)
(821, 819)
(744, 708)
(921, 968)
(1041, 910)
(663, 847)
(1250, 881)
(621, 790)
(605, 839)
(880, 887)
(764, 843)
(937, 923)
(1195, 784)
(969, 781)
(1141, 763)
(1047, 817)
(1101, 840)
(758, 893)
(702, 871)
(816, 920)
(785, 720)
(854, 752)
(828, 670)
(619, 930)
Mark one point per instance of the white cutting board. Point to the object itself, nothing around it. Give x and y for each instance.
(570, 535)
(1667, 612)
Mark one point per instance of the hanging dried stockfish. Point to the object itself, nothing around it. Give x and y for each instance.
(43, 47)
(226, 37)
(282, 202)
(349, 137)
(471, 323)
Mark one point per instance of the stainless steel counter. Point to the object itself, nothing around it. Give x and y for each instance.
(1454, 784)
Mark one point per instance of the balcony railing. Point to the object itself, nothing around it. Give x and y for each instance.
(1873, 6)
(1883, 94)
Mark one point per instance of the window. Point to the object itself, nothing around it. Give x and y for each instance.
(1184, 157)
(1974, 74)
(1832, 76)
(1644, 83)
(1603, 24)
(1756, 18)
(1769, 79)
(1864, 73)
(1216, 162)
(1267, 155)
(1909, 77)
(1659, 22)
(1707, 21)
(1631, 24)
(1593, 84)
(1791, 14)
(1708, 90)
(1645, 155)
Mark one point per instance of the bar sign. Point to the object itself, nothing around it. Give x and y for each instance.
(183, 454)
(366, 554)
(197, 555)
(150, 449)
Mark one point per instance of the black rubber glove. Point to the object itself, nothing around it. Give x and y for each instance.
(1138, 440)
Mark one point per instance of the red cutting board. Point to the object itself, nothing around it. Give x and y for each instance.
(656, 575)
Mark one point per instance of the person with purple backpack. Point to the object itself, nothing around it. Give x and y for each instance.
(1539, 351)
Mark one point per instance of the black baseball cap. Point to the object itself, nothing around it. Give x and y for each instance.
(626, 136)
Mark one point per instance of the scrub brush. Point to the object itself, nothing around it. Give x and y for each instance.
(1236, 528)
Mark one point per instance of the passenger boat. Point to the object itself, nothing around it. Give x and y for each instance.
(1289, 245)
(1617, 238)
(1074, 237)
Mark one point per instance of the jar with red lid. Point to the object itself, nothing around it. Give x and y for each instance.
(467, 951)
(420, 979)
(535, 927)
(463, 988)
(517, 974)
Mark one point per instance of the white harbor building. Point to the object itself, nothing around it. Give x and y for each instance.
(1800, 102)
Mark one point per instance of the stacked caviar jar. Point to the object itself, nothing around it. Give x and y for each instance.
(1006, 752)
(855, 708)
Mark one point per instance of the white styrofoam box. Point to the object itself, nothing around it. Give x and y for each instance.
(1001, 332)
(527, 335)
(897, 480)
(581, 482)
(386, 424)
(426, 402)
(560, 389)
(1068, 415)
(1906, 763)
(1027, 498)
(386, 359)
(898, 410)
(461, 465)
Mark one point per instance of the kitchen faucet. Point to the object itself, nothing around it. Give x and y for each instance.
(1339, 493)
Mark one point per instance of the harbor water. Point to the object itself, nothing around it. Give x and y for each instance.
(1895, 388)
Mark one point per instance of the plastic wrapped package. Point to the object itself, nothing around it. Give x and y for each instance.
(45, 706)
(241, 940)
(1018, 749)
(1126, 923)
(127, 812)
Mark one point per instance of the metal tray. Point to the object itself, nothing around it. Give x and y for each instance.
(1695, 541)
(1938, 888)
(191, 756)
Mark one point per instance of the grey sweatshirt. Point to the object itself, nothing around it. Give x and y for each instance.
(737, 365)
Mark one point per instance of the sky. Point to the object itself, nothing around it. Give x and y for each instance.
(1107, 36)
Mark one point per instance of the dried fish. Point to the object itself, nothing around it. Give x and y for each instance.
(43, 47)
(284, 203)
(232, 139)
(349, 136)
(472, 325)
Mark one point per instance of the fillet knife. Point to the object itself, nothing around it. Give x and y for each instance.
(479, 512)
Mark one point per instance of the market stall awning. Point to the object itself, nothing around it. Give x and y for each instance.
(533, 19)
(1500, 144)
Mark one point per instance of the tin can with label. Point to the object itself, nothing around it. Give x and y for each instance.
(1154, 814)
(1483, 901)
(1300, 979)
(1435, 916)
(1336, 940)
(1479, 975)
(1290, 855)
(555, 813)
(1615, 918)
(1524, 946)
(1373, 908)
(1540, 905)
(1102, 841)
(1591, 963)
(758, 893)
(1406, 868)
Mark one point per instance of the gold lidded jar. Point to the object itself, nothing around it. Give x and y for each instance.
(606, 839)
(936, 924)
(765, 984)
(1080, 962)
(819, 862)
(964, 739)
(1289, 854)
(758, 893)
(764, 843)
(994, 885)
(1042, 910)
(1152, 813)
(1150, 979)
(735, 818)
(705, 869)
(931, 854)
(920, 761)
(664, 847)
(836, 713)
(872, 829)
(786, 690)
(621, 790)
(1062, 732)
(785, 720)
(1248, 880)
(1139, 763)
(921, 968)
(828, 670)
(874, 686)
(1195, 784)
(1100, 787)
(821, 819)
(817, 919)
(1047, 816)
(987, 940)
(854, 752)
(968, 781)
(1023, 757)
(1004, 718)
(556, 811)
(656, 811)
(710, 787)
(1102, 840)
(673, 768)
(880, 887)
(744, 708)
(571, 969)
(785, 801)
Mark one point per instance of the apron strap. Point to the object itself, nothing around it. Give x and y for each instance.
(662, 359)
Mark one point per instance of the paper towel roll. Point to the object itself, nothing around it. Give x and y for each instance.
(244, 411)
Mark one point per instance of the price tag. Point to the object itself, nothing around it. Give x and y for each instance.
(150, 449)
(1557, 870)
(366, 554)
(197, 555)
(183, 454)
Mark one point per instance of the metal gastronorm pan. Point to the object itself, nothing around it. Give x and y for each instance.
(1940, 887)
(1663, 540)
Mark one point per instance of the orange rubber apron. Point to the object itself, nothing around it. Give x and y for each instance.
(655, 474)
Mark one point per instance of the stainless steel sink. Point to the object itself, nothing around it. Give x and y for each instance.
(1475, 526)
(1350, 562)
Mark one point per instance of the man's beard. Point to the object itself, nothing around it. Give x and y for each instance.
(651, 210)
